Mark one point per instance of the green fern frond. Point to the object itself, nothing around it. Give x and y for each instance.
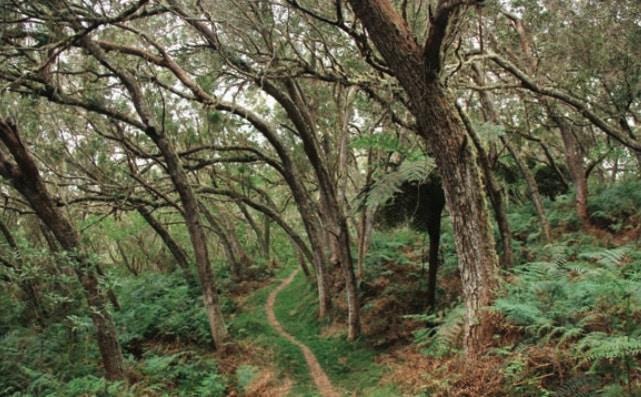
(609, 258)
(599, 345)
(384, 188)
(445, 337)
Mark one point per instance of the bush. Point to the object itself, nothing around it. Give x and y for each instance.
(584, 303)
(160, 306)
(613, 205)
(185, 374)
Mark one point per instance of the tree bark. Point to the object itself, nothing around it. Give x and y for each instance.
(576, 166)
(418, 69)
(335, 222)
(128, 264)
(25, 178)
(366, 223)
(230, 252)
(176, 250)
(533, 189)
(181, 183)
(494, 191)
(243, 260)
(261, 238)
(434, 233)
(198, 240)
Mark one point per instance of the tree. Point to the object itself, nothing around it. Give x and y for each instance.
(418, 69)
(25, 178)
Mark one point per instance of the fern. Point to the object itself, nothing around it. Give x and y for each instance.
(445, 336)
(384, 188)
(599, 345)
(610, 258)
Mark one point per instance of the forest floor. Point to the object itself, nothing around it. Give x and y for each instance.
(322, 382)
(279, 322)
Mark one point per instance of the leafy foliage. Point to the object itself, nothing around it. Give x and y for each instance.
(160, 306)
(583, 302)
(388, 184)
(186, 373)
(443, 333)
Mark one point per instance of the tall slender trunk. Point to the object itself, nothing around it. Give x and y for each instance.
(181, 184)
(366, 223)
(263, 242)
(533, 189)
(267, 235)
(576, 166)
(113, 298)
(228, 249)
(176, 250)
(198, 240)
(494, 192)
(335, 222)
(572, 151)
(347, 266)
(302, 262)
(365, 227)
(434, 233)
(131, 266)
(244, 261)
(25, 178)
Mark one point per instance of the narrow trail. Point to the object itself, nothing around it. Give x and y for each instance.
(317, 373)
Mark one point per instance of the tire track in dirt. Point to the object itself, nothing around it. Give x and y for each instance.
(323, 384)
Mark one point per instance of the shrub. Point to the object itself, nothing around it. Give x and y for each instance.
(186, 374)
(160, 306)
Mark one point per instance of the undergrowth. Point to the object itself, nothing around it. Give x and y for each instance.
(350, 365)
(567, 315)
(61, 359)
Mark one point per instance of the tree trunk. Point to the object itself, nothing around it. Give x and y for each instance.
(262, 241)
(434, 232)
(533, 189)
(335, 223)
(494, 192)
(347, 266)
(466, 203)
(365, 226)
(25, 178)
(181, 184)
(223, 236)
(576, 166)
(243, 260)
(418, 70)
(198, 240)
(113, 298)
(131, 266)
(176, 250)
(302, 262)
(268, 238)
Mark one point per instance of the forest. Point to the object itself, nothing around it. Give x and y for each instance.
(320, 198)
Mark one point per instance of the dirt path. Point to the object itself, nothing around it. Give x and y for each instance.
(319, 376)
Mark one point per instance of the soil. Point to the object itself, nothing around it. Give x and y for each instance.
(322, 382)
